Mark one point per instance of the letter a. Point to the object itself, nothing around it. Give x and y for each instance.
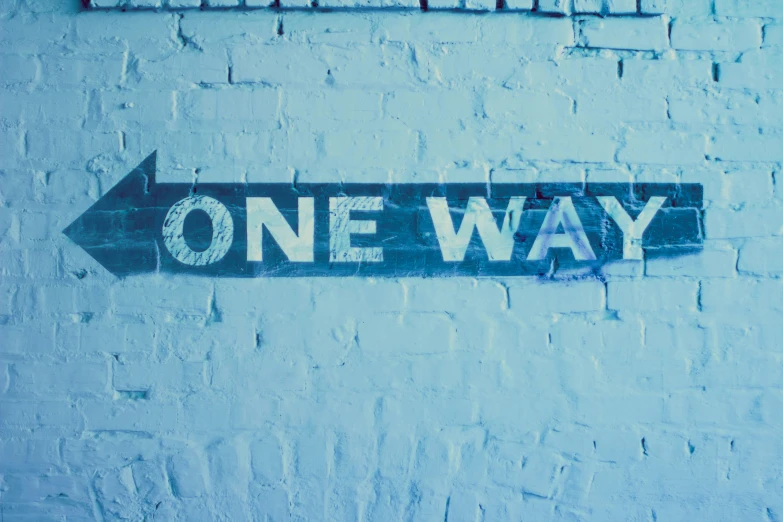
(562, 212)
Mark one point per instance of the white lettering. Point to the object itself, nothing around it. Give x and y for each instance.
(341, 226)
(222, 231)
(562, 213)
(263, 212)
(632, 230)
(498, 243)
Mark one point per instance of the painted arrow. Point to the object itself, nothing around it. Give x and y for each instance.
(386, 230)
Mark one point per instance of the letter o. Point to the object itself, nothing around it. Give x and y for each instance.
(222, 231)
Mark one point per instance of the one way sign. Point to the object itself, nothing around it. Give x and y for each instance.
(387, 230)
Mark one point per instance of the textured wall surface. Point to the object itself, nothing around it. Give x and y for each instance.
(646, 391)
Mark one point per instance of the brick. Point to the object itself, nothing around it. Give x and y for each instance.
(653, 7)
(418, 334)
(27, 456)
(747, 222)
(526, 108)
(717, 261)
(82, 70)
(22, 488)
(740, 296)
(384, 149)
(187, 475)
(773, 35)
(729, 108)
(666, 75)
(749, 8)
(739, 35)
(179, 377)
(562, 7)
(337, 106)
(621, 7)
(431, 109)
(545, 298)
(663, 148)
(761, 256)
(746, 147)
(45, 379)
(641, 34)
(584, 146)
(652, 295)
(20, 70)
(588, 6)
(429, 295)
(612, 106)
(759, 70)
(28, 339)
(133, 415)
(49, 417)
(448, 28)
(275, 64)
(235, 109)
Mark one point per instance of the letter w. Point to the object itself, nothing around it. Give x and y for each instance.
(498, 243)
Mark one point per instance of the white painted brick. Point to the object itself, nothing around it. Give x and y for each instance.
(507, 399)
(143, 376)
(236, 109)
(773, 35)
(652, 7)
(643, 34)
(620, 7)
(30, 339)
(528, 32)
(429, 296)
(762, 257)
(750, 186)
(518, 5)
(713, 261)
(741, 297)
(432, 109)
(747, 222)
(338, 106)
(756, 69)
(585, 296)
(51, 380)
(588, 6)
(134, 415)
(738, 35)
(727, 108)
(746, 147)
(420, 28)
(652, 295)
(611, 107)
(555, 6)
(749, 8)
(415, 334)
(663, 148)
(585, 146)
(443, 4)
(666, 75)
(20, 69)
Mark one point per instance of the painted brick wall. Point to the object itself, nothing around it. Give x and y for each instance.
(646, 392)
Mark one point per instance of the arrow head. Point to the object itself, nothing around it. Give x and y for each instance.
(117, 231)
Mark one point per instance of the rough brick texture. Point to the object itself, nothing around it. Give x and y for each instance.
(646, 391)
(549, 7)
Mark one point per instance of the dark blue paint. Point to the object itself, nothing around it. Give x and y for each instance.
(122, 231)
